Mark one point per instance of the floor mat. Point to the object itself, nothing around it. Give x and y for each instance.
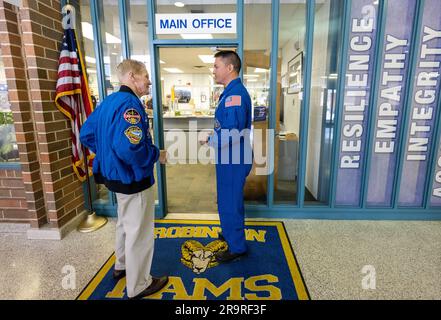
(184, 250)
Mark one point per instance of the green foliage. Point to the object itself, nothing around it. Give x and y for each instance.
(6, 118)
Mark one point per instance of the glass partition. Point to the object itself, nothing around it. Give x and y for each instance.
(256, 72)
(321, 122)
(292, 28)
(137, 23)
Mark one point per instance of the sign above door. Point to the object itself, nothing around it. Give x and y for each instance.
(201, 23)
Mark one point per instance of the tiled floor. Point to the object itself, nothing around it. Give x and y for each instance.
(331, 254)
(192, 188)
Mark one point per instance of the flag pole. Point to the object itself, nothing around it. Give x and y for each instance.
(92, 222)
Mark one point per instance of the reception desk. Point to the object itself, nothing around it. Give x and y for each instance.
(183, 133)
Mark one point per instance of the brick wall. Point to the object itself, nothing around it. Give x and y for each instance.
(13, 202)
(33, 36)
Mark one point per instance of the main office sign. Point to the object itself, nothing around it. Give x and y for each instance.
(196, 23)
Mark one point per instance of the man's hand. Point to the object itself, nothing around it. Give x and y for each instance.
(163, 156)
(202, 142)
(149, 113)
(205, 140)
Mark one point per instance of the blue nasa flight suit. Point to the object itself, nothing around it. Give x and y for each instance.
(118, 133)
(233, 112)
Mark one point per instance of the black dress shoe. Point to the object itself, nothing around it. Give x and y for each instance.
(156, 285)
(228, 256)
(118, 274)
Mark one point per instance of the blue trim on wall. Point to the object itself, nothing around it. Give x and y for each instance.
(325, 213)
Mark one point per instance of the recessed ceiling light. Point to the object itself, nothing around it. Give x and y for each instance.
(207, 58)
(196, 36)
(179, 4)
(90, 59)
(259, 70)
(173, 70)
(145, 58)
(87, 30)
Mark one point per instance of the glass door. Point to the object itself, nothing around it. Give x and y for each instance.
(188, 98)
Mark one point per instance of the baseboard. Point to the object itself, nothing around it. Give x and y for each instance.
(8, 227)
(46, 233)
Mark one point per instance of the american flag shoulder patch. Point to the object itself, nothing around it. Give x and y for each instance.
(233, 101)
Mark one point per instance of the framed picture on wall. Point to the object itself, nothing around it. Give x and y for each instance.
(295, 74)
(284, 83)
(183, 93)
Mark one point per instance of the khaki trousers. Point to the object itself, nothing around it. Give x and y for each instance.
(135, 238)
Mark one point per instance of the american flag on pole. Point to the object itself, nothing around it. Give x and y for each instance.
(73, 97)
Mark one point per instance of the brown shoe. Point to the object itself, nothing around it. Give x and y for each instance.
(228, 256)
(156, 285)
(118, 274)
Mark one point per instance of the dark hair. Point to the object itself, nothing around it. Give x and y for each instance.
(231, 57)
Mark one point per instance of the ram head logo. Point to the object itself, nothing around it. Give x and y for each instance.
(199, 257)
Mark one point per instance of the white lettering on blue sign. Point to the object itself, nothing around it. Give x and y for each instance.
(196, 23)
(391, 91)
(425, 97)
(356, 79)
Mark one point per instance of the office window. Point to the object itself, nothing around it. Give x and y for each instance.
(8, 141)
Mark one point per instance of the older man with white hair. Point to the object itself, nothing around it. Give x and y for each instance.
(118, 133)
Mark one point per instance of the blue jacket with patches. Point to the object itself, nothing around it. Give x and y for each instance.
(233, 113)
(118, 133)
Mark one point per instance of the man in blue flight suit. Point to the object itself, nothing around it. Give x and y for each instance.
(118, 133)
(231, 140)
